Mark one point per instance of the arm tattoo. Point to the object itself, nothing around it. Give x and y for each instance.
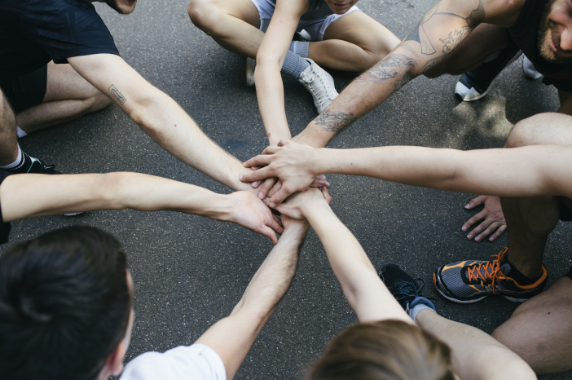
(334, 121)
(117, 95)
(453, 39)
(400, 83)
(418, 34)
(379, 72)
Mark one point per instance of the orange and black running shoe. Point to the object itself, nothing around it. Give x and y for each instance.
(472, 281)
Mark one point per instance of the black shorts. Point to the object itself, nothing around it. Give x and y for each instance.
(26, 91)
(565, 213)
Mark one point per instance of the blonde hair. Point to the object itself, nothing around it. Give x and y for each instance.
(384, 350)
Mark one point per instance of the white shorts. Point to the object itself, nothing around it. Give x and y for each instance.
(309, 30)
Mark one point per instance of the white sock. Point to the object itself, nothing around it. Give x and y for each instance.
(20, 132)
(18, 162)
(416, 309)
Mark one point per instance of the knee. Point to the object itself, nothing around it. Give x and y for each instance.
(98, 102)
(545, 128)
(204, 15)
(525, 131)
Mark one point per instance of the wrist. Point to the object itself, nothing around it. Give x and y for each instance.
(314, 207)
(219, 207)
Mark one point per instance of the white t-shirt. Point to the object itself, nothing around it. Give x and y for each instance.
(196, 362)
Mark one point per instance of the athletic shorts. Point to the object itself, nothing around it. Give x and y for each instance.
(312, 30)
(26, 91)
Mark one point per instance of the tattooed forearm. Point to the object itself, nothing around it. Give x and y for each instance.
(406, 78)
(382, 72)
(334, 121)
(117, 95)
(453, 39)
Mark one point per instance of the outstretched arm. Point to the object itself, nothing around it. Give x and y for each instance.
(159, 116)
(233, 336)
(362, 286)
(29, 195)
(516, 172)
(434, 37)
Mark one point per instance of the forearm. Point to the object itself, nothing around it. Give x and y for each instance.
(510, 172)
(362, 287)
(270, 94)
(20, 195)
(273, 278)
(475, 354)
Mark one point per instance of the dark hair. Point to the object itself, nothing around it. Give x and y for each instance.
(384, 350)
(64, 305)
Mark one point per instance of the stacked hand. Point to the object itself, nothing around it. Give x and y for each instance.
(292, 163)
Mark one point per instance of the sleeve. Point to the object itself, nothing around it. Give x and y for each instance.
(195, 362)
(4, 227)
(68, 29)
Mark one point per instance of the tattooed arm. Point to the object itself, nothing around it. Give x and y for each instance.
(159, 116)
(434, 37)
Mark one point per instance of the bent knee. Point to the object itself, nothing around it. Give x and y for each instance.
(98, 102)
(533, 130)
(204, 15)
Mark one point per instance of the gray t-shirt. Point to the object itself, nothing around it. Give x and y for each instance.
(318, 10)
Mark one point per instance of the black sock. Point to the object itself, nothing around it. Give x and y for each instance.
(510, 270)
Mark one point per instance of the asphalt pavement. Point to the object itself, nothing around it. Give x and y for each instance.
(190, 271)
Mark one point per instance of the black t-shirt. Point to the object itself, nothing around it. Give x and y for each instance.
(4, 227)
(34, 32)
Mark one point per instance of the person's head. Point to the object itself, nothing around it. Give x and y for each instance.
(340, 7)
(384, 350)
(65, 306)
(555, 32)
(124, 7)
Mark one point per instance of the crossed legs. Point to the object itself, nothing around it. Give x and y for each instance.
(354, 42)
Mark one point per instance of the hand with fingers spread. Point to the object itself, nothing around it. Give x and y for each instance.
(250, 212)
(491, 217)
(291, 163)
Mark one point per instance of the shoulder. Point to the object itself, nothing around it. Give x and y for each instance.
(197, 362)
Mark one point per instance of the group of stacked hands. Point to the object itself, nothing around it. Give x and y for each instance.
(66, 296)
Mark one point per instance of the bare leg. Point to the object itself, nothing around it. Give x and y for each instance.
(68, 96)
(8, 137)
(354, 42)
(475, 354)
(539, 330)
(472, 52)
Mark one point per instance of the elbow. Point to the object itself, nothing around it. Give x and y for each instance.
(109, 186)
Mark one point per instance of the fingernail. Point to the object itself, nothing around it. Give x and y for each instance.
(469, 236)
(241, 178)
(478, 239)
(328, 184)
(271, 204)
(260, 195)
(491, 239)
(466, 206)
(464, 228)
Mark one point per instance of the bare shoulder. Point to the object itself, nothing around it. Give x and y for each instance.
(502, 12)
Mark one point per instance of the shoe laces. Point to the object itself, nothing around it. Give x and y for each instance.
(488, 270)
(319, 84)
(407, 290)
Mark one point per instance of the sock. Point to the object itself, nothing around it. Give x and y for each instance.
(294, 65)
(510, 270)
(20, 132)
(300, 48)
(418, 304)
(20, 159)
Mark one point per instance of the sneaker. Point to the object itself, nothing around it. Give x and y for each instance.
(320, 84)
(401, 285)
(33, 165)
(472, 281)
(250, 65)
(475, 84)
(529, 69)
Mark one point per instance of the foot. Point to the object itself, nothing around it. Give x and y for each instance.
(476, 83)
(472, 281)
(529, 69)
(320, 84)
(250, 65)
(401, 285)
(33, 165)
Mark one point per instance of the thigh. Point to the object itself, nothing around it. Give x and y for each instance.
(484, 40)
(362, 30)
(540, 329)
(64, 83)
(244, 10)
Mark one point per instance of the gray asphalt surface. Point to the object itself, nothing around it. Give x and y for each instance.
(190, 271)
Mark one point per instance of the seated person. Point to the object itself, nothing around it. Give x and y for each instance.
(387, 344)
(58, 61)
(66, 312)
(339, 36)
(534, 181)
(30, 195)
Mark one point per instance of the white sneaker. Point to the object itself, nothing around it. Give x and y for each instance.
(320, 84)
(250, 65)
(529, 69)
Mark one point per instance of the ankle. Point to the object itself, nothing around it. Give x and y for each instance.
(527, 269)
